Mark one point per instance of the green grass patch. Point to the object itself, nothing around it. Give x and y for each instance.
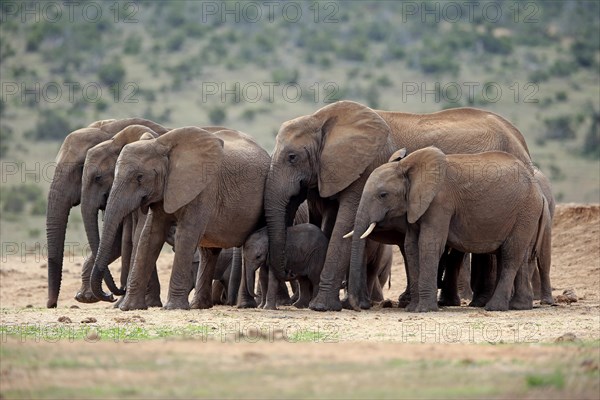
(555, 379)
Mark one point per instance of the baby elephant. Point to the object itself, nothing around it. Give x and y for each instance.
(306, 248)
(477, 203)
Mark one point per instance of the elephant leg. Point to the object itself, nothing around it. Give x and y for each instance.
(432, 237)
(202, 298)
(263, 283)
(522, 298)
(245, 300)
(464, 279)
(404, 298)
(449, 288)
(235, 278)
(153, 290)
(337, 260)
(544, 260)
(536, 284)
(509, 261)
(152, 238)
(483, 278)
(376, 291)
(411, 263)
(271, 292)
(217, 292)
(126, 249)
(305, 294)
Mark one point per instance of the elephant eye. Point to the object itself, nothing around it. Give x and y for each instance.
(292, 158)
(97, 178)
(383, 195)
(139, 178)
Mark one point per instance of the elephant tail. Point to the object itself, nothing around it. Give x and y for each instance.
(541, 230)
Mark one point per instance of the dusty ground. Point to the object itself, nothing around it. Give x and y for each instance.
(550, 351)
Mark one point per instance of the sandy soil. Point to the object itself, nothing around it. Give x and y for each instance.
(265, 336)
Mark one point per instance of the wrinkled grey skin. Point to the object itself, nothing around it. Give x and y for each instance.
(306, 250)
(269, 299)
(506, 218)
(327, 156)
(65, 193)
(484, 272)
(199, 180)
(97, 180)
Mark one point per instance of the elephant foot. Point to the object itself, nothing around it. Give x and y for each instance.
(118, 303)
(346, 304)
(246, 303)
(479, 301)
(549, 300)
(202, 303)
(301, 304)
(85, 295)
(404, 299)
(521, 303)
(412, 306)
(449, 301)
(326, 303)
(153, 301)
(285, 302)
(270, 306)
(129, 303)
(427, 306)
(496, 305)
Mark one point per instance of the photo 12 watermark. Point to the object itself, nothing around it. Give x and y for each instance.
(71, 92)
(69, 11)
(470, 11)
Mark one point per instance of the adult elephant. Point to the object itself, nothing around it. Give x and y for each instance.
(65, 193)
(464, 206)
(97, 180)
(202, 182)
(326, 158)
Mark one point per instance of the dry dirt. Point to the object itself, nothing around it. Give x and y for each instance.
(93, 350)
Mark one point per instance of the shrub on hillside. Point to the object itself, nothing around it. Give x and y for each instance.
(112, 73)
(51, 125)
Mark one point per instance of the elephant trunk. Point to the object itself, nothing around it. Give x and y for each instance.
(235, 276)
(357, 273)
(89, 211)
(57, 216)
(276, 207)
(115, 213)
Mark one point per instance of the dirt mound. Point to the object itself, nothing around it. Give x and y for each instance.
(576, 249)
(569, 215)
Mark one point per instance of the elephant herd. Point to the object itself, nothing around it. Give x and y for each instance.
(341, 187)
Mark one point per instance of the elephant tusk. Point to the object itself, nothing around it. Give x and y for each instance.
(349, 234)
(368, 232)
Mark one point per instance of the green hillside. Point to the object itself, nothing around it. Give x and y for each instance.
(253, 65)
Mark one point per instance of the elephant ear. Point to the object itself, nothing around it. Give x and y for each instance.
(195, 157)
(131, 134)
(75, 146)
(425, 169)
(353, 135)
(398, 155)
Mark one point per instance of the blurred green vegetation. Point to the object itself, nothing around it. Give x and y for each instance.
(155, 60)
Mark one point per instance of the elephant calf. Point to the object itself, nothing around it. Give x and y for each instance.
(476, 203)
(306, 248)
